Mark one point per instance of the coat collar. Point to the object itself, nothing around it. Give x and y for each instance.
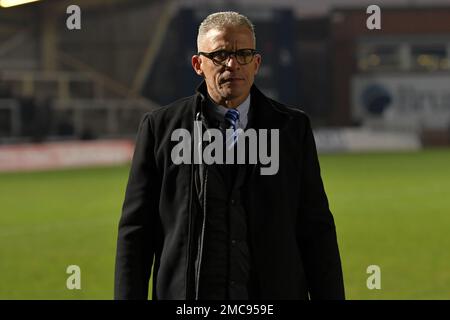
(264, 112)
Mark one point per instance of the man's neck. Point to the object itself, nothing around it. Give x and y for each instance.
(231, 104)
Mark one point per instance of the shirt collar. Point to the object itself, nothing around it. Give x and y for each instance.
(216, 112)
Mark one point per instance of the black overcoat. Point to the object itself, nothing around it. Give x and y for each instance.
(292, 231)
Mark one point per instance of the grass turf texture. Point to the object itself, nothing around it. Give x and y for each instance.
(391, 210)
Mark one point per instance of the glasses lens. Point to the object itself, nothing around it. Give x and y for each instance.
(244, 56)
(220, 56)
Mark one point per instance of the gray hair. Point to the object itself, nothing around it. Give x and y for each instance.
(221, 20)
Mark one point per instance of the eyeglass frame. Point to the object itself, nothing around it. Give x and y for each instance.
(210, 56)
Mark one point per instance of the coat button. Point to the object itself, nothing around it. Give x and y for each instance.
(233, 202)
(233, 242)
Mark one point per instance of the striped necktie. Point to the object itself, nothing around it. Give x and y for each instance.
(231, 119)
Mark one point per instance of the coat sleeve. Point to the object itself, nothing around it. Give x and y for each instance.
(317, 232)
(136, 232)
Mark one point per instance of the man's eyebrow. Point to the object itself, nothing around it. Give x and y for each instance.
(223, 48)
(220, 47)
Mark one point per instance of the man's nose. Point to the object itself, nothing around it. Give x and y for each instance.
(232, 62)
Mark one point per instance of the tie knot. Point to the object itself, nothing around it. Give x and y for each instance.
(231, 118)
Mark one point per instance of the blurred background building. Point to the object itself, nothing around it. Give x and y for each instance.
(364, 89)
(74, 98)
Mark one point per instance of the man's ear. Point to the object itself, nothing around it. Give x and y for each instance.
(257, 62)
(196, 64)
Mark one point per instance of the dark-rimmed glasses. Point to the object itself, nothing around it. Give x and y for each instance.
(221, 57)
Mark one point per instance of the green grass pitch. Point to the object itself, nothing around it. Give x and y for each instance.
(390, 209)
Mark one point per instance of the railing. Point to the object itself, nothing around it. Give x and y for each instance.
(10, 122)
(71, 119)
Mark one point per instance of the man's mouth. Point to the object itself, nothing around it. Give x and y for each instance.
(230, 80)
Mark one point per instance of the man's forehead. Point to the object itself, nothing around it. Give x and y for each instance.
(231, 37)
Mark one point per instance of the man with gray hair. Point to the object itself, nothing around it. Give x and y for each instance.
(221, 231)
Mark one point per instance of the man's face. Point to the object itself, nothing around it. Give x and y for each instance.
(227, 84)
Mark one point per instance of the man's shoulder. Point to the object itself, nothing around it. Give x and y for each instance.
(295, 112)
(172, 112)
(179, 106)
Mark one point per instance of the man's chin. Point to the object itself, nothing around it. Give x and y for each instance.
(232, 94)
